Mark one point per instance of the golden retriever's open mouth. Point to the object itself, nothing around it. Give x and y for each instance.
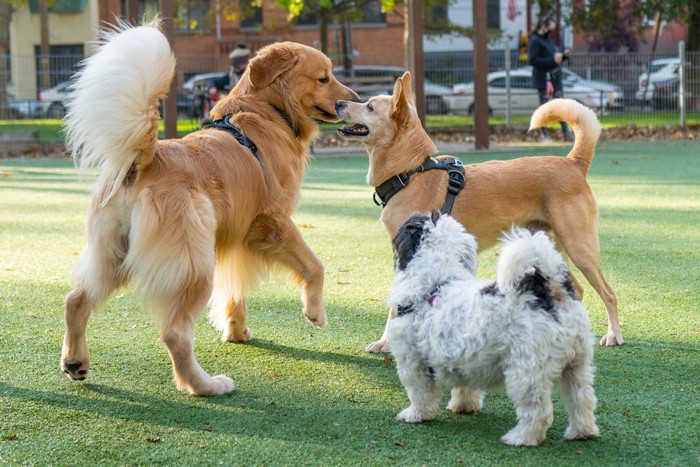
(355, 131)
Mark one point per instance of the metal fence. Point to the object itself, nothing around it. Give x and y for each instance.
(674, 90)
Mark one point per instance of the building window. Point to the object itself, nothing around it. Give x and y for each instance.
(493, 14)
(307, 18)
(437, 13)
(251, 16)
(191, 15)
(64, 61)
(372, 13)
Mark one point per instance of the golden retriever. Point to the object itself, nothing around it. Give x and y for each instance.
(549, 193)
(199, 217)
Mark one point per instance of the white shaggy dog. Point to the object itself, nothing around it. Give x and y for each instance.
(523, 331)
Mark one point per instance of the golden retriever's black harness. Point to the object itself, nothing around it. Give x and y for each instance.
(226, 125)
(455, 183)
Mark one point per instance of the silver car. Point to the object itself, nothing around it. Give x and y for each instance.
(523, 97)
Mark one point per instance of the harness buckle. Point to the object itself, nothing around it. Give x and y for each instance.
(455, 181)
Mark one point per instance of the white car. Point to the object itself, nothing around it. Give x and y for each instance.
(55, 99)
(434, 93)
(663, 69)
(523, 96)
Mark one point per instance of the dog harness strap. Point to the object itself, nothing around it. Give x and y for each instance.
(226, 125)
(456, 180)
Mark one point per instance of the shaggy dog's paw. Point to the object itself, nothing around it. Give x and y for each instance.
(465, 401)
(410, 415)
(517, 437)
(581, 432)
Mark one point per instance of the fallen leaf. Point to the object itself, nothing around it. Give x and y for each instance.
(153, 439)
(399, 443)
(9, 437)
(343, 282)
(343, 270)
(305, 226)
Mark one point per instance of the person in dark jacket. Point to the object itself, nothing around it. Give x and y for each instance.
(546, 61)
(239, 62)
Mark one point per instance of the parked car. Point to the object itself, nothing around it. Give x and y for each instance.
(616, 97)
(523, 97)
(24, 108)
(663, 69)
(434, 103)
(666, 94)
(54, 99)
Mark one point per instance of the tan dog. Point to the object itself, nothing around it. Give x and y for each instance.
(541, 192)
(200, 217)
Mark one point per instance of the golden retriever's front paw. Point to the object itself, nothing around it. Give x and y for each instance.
(232, 334)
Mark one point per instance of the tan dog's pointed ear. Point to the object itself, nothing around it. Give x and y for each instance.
(401, 100)
(269, 63)
(408, 87)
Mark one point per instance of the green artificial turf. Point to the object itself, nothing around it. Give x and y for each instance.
(313, 397)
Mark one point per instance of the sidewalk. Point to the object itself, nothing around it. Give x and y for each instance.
(359, 150)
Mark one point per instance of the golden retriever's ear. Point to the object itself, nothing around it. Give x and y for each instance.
(271, 62)
(401, 99)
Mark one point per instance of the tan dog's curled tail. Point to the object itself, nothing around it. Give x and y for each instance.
(112, 119)
(583, 121)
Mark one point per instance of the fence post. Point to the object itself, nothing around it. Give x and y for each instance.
(507, 65)
(681, 82)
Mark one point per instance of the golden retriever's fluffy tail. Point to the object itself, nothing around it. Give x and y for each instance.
(112, 119)
(583, 121)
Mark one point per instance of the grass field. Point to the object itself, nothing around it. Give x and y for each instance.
(314, 397)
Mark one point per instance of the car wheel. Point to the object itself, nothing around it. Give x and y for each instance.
(434, 105)
(56, 110)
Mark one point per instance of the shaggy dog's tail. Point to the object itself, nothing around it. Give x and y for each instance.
(112, 119)
(530, 263)
(583, 121)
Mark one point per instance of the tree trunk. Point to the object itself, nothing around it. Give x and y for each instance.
(45, 49)
(6, 10)
(323, 30)
(693, 44)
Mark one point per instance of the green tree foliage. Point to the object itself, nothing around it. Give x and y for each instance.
(612, 25)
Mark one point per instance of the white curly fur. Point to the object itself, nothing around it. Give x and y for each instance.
(475, 335)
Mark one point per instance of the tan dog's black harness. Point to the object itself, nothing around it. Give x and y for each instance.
(226, 125)
(455, 183)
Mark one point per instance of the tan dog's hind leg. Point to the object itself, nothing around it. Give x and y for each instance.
(578, 233)
(280, 241)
